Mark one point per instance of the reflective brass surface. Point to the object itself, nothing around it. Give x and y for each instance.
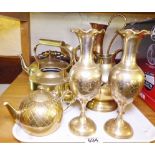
(82, 126)
(118, 128)
(84, 80)
(103, 102)
(98, 42)
(50, 68)
(126, 80)
(39, 114)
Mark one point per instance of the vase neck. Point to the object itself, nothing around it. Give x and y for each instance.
(86, 43)
(130, 49)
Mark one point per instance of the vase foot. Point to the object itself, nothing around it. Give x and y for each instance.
(118, 129)
(82, 126)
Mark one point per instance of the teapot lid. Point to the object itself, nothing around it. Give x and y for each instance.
(52, 62)
(40, 96)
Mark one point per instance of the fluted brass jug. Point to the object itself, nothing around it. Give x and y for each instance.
(126, 80)
(85, 81)
(104, 102)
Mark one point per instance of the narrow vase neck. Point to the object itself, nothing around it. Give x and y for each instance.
(86, 55)
(130, 49)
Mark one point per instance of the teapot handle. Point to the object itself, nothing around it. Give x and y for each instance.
(116, 34)
(65, 49)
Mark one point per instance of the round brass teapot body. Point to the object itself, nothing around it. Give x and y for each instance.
(39, 114)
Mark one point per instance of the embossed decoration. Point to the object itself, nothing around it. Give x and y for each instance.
(128, 89)
(86, 87)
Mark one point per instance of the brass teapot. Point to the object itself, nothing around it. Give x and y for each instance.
(50, 68)
(39, 114)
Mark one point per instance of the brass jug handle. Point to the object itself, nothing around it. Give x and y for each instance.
(61, 99)
(114, 54)
(65, 49)
(75, 57)
(116, 34)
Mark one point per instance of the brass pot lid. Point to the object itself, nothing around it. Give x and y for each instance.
(53, 62)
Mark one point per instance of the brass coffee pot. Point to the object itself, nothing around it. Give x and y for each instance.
(104, 102)
(39, 114)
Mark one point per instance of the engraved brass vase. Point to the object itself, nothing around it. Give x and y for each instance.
(85, 81)
(126, 80)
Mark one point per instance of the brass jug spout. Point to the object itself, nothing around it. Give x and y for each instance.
(14, 113)
(23, 64)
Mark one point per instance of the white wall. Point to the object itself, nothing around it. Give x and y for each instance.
(52, 26)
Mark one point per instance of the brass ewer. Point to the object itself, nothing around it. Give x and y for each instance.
(126, 80)
(104, 102)
(85, 81)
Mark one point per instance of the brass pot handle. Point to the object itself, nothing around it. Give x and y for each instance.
(116, 34)
(75, 57)
(65, 49)
(61, 99)
(114, 54)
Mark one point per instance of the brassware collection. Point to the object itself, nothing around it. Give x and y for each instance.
(86, 76)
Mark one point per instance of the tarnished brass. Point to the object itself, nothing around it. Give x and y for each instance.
(39, 114)
(85, 81)
(103, 102)
(126, 80)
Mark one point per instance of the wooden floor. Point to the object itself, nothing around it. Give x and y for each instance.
(19, 89)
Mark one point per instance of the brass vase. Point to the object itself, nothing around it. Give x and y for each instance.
(85, 81)
(126, 80)
(104, 102)
(98, 42)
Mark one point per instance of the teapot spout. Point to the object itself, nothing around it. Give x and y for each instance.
(13, 112)
(23, 64)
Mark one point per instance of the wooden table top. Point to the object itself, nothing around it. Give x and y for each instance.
(20, 88)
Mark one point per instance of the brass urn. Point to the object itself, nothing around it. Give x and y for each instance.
(85, 81)
(126, 80)
(39, 114)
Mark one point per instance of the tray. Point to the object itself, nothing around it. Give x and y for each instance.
(144, 131)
